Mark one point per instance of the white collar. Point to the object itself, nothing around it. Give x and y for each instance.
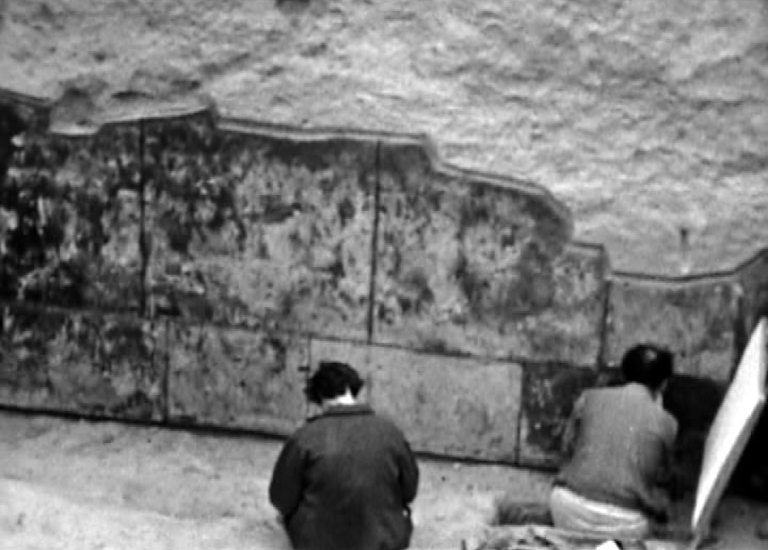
(345, 399)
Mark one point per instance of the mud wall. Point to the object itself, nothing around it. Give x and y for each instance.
(180, 267)
(648, 119)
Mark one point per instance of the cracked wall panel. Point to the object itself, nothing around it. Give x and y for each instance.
(26, 336)
(236, 378)
(21, 125)
(696, 321)
(70, 220)
(753, 278)
(459, 407)
(20, 119)
(468, 267)
(549, 392)
(91, 364)
(259, 231)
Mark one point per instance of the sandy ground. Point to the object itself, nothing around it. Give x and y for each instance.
(79, 485)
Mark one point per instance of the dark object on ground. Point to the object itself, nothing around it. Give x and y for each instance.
(536, 537)
(762, 530)
(508, 511)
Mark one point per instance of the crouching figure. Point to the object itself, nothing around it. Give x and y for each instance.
(618, 446)
(345, 479)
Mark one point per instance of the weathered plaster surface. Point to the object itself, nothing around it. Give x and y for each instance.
(695, 320)
(257, 238)
(69, 214)
(101, 365)
(646, 118)
(753, 278)
(469, 266)
(252, 230)
(271, 230)
(236, 378)
(445, 405)
(549, 392)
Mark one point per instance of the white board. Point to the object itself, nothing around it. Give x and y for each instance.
(731, 428)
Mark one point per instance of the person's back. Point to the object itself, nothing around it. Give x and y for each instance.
(346, 479)
(353, 496)
(621, 454)
(618, 448)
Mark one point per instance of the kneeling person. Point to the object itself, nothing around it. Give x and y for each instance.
(620, 441)
(346, 478)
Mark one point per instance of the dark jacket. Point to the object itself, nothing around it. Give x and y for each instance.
(622, 449)
(344, 481)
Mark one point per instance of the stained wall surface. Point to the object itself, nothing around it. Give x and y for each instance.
(186, 268)
(451, 406)
(469, 267)
(256, 231)
(649, 120)
(696, 321)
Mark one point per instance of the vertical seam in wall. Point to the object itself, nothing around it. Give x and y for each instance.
(520, 415)
(166, 332)
(143, 249)
(374, 244)
(740, 331)
(305, 412)
(602, 360)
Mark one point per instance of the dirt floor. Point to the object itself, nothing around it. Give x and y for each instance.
(67, 484)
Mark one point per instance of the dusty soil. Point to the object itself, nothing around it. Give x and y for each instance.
(648, 119)
(77, 485)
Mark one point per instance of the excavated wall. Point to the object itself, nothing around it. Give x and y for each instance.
(204, 199)
(183, 267)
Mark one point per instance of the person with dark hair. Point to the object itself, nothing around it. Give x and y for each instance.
(618, 446)
(332, 380)
(346, 479)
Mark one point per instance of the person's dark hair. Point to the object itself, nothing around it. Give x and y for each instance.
(648, 365)
(332, 379)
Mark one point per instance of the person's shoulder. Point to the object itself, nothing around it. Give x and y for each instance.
(598, 392)
(386, 422)
(604, 396)
(301, 433)
(606, 390)
(311, 426)
(383, 418)
(669, 423)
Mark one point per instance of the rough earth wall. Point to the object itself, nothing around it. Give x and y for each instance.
(647, 119)
(185, 268)
(163, 262)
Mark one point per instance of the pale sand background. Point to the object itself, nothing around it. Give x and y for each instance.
(76, 485)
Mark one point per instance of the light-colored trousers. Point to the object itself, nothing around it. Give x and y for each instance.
(576, 513)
